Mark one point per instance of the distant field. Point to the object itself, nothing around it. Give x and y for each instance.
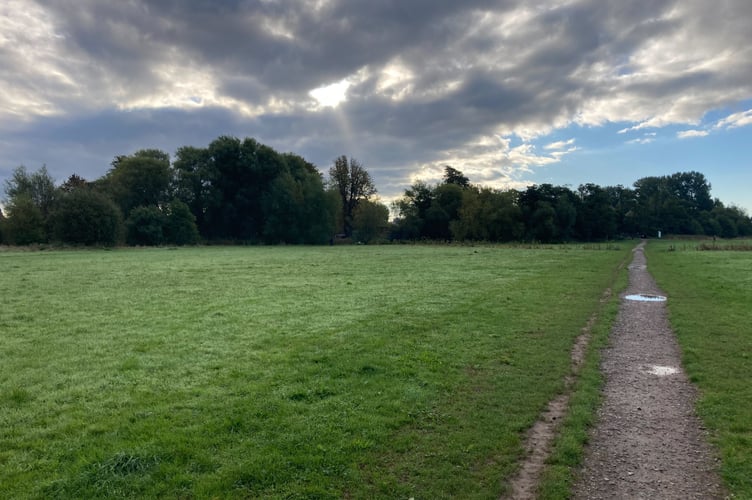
(295, 372)
(710, 302)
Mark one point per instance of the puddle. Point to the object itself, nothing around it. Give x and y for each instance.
(662, 371)
(645, 297)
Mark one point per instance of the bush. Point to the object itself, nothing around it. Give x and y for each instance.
(145, 226)
(85, 217)
(180, 224)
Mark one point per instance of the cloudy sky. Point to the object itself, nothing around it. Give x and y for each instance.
(511, 92)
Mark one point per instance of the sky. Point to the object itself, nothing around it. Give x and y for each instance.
(510, 92)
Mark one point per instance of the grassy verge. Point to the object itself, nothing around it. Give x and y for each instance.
(567, 453)
(710, 293)
(282, 372)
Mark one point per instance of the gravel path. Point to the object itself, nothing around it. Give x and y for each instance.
(648, 442)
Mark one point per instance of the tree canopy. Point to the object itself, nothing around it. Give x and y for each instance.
(242, 191)
(352, 182)
(676, 204)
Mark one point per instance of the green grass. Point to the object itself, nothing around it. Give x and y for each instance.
(285, 372)
(567, 453)
(710, 294)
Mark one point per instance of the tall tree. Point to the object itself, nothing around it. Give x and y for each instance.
(353, 183)
(139, 180)
(38, 187)
(30, 198)
(454, 176)
(25, 223)
(371, 221)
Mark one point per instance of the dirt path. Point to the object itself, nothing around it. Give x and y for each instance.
(648, 443)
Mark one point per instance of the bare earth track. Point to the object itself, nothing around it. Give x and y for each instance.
(648, 442)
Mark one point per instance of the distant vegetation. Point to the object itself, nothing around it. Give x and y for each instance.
(235, 191)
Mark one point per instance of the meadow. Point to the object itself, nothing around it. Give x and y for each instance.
(709, 286)
(285, 372)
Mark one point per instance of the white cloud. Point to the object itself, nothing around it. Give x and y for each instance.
(559, 144)
(331, 95)
(735, 120)
(686, 134)
(641, 140)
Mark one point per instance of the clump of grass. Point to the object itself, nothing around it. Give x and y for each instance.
(123, 474)
(17, 396)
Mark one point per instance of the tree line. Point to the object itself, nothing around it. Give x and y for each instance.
(454, 209)
(233, 190)
(242, 191)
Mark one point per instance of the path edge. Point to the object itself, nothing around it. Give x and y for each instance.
(537, 473)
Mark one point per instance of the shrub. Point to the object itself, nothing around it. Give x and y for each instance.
(145, 226)
(85, 217)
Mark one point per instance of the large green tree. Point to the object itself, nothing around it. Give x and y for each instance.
(296, 208)
(370, 221)
(246, 191)
(596, 216)
(350, 179)
(25, 223)
(548, 212)
(139, 180)
(29, 197)
(489, 215)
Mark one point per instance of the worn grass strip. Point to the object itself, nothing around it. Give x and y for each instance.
(710, 293)
(375, 372)
(568, 449)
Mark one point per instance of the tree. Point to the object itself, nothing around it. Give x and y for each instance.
(241, 176)
(38, 187)
(86, 217)
(141, 179)
(549, 212)
(193, 180)
(596, 217)
(296, 208)
(353, 183)
(73, 183)
(180, 224)
(370, 221)
(692, 189)
(30, 196)
(488, 215)
(412, 209)
(454, 176)
(25, 223)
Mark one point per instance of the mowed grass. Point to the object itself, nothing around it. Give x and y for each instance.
(284, 372)
(710, 304)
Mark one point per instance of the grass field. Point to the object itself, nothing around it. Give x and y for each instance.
(710, 304)
(286, 372)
